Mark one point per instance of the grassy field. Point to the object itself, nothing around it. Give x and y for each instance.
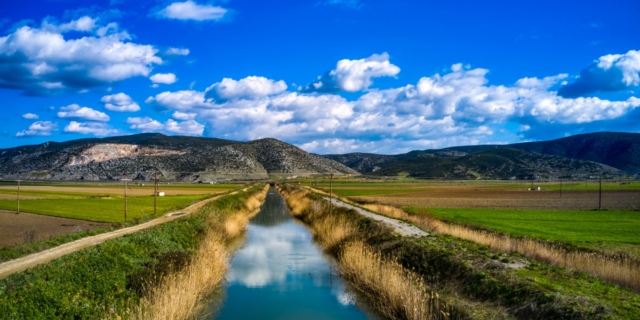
(108, 209)
(571, 226)
(103, 202)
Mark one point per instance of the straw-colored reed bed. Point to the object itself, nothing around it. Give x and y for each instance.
(180, 295)
(621, 270)
(394, 291)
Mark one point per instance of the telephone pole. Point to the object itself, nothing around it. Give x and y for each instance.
(155, 192)
(600, 195)
(125, 180)
(560, 188)
(331, 193)
(18, 195)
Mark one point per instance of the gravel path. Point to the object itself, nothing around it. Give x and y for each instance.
(401, 227)
(31, 260)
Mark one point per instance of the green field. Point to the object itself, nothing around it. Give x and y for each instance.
(109, 209)
(571, 226)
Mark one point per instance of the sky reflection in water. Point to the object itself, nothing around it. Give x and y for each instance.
(281, 274)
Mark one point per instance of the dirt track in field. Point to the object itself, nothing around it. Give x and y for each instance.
(28, 227)
(468, 197)
(20, 264)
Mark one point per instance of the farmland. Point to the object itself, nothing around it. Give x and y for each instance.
(54, 210)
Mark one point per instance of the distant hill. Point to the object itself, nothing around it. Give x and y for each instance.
(175, 157)
(579, 155)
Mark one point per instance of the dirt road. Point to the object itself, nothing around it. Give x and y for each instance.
(401, 227)
(29, 261)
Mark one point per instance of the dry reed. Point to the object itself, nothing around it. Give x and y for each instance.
(396, 292)
(622, 270)
(393, 290)
(180, 294)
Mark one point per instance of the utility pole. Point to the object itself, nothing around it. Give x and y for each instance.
(18, 195)
(155, 192)
(125, 180)
(600, 196)
(331, 193)
(560, 188)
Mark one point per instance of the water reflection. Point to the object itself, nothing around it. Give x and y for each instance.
(281, 274)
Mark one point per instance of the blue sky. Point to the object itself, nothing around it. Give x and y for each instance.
(329, 76)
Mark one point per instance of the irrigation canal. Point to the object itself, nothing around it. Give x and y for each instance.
(280, 273)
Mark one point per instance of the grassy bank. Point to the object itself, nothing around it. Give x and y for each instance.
(118, 276)
(481, 280)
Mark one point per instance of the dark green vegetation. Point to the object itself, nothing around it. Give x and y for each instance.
(473, 277)
(615, 150)
(557, 225)
(105, 280)
(107, 209)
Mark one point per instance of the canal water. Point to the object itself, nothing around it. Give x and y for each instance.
(281, 274)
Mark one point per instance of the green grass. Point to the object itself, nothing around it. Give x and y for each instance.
(99, 282)
(109, 209)
(571, 226)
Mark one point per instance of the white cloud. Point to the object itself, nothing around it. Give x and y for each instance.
(455, 108)
(189, 127)
(183, 116)
(354, 75)
(612, 72)
(30, 116)
(190, 10)
(164, 78)
(180, 100)
(120, 102)
(95, 128)
(249, 87)
(146, 124)
(75, 111)
(177, 52)
(39, 128)
(41, 61)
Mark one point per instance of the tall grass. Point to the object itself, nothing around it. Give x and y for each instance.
(394, 291)
(180, 294)
(619, 269)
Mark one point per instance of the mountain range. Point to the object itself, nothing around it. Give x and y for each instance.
(173, 157)
(580, 155)
(141, 156)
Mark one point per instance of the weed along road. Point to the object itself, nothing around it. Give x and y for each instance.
(400, 227)
(280, 273)
(29, 261)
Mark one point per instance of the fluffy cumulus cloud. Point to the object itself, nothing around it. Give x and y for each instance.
(612, 72)
(247, 88)
(188, 127)
(163, 78)
(120, 102)
(190, 10)
(457, 107)
(95, 128)
(78, 112)
(41, 61)
(39, 128)
(354, 75)
(30, 116)
(183, 115)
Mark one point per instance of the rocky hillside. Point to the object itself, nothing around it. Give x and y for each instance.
(503, 163)
(579, 155)
(175, 158)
